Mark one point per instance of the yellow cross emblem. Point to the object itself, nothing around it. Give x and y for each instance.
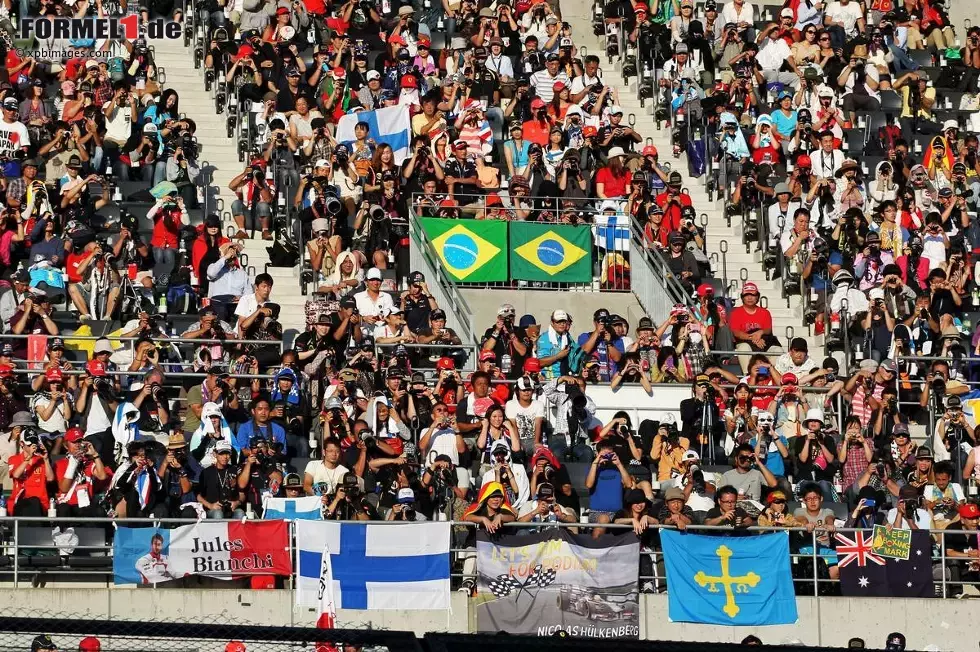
(741, 583)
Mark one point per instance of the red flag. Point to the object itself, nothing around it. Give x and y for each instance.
(328, 610)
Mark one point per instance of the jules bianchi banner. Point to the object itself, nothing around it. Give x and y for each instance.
(551, 581)
(221, 550)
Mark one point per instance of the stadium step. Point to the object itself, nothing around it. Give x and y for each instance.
(717, 226)
(221, 154)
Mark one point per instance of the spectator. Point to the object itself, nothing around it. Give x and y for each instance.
(746, 480)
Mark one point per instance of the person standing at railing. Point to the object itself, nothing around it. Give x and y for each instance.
(81, 475)
(962, 548)
(908, 513)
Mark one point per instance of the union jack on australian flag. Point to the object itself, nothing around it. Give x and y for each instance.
(863, 573)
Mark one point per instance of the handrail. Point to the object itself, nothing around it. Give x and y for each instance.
(16, 525)
(659, 266)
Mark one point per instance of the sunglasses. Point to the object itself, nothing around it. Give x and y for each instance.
(744, 458)
(779, 501)
(824, 38)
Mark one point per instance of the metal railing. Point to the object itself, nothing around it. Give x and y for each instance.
(93, 559)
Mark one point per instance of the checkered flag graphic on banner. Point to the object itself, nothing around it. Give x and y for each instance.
(540, 577)
(504, 585)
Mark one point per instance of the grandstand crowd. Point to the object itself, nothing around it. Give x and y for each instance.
(102, 224)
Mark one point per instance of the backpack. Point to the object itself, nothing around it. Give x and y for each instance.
(576, 359)
(283, 253)
(181, 300)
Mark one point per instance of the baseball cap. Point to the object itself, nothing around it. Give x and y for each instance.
(560, 315)
(90, 644)
(95, 368)
(705, 290)
(532, 366)
(895, 642)
(969, 510)
(750, 288)
(374, 274)
(690, 455)
(789, 379)
(923, 453)
(798, 344)
(54, 375)
(900, 429)
(506, 310)
(223, 446)
(525, 383)
(438, 313)
(487, 355)
(57, 343)
(545, 490)
(645, 324)
(600, 315)
(74, 435)
(292, 480)
(527, 320)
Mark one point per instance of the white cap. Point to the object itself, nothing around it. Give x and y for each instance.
(951, 124)
(373, 74)
(614, 152)
(814, 414)
(374, 274)
(560, 315)
(615, 109)
(690, 455)
(786, 13)
(321, 163)
(387, 312)
(876, 293)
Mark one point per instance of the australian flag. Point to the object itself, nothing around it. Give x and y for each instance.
(863, 573)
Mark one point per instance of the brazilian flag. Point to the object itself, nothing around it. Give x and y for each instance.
(550, 252)
(470, 250)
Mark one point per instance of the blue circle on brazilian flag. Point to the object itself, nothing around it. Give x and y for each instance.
(551, 252)
(460, 251)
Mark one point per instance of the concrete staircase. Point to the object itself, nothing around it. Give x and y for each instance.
(786, 318)
(220, 154)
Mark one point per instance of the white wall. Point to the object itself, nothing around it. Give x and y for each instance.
(949, 624)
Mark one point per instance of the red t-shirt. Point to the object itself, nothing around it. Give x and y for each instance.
(61, 466)
(741, 320)
(613, 186)
(672, 214)
(536, 132)
(32, 485)
(71, 266)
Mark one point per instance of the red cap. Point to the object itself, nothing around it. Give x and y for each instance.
(789, 379)
(532, 365)
(54, 375)
(705, 290)
(73, 435)
(258, 161)
(235, 646)
(339, 73)
(537, 103)
(487, 355)
(448, 203)
(96, 368)
(650, 150)
(445, 363)
(6, 371)
(559, 86)
(409, 81)
(282, 11)
(244, 51)
(338, 25)
(969, 510)
(396, 40)
(750, 288)
(423, 42)
(803, 161)
(589, 131)
(493, 199)
(89, 643)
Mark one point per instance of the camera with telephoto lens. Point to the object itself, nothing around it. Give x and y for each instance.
(911, 505)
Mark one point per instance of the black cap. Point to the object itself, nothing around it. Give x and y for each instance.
(895, 642)
(212, 220)
(600, 315)
(634, 497)
(21, 275)
(674, 179)
(57, 344)
(831, 364)
(438, 313)
(416, 277)
(645, 323)
(418, 378)
(798, 344)
(323, 319)
(553, 57)
(348, 302)
(545, 491)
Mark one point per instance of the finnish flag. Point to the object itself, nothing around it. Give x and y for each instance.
(391, 125)
(308, 508)
(612, 232)
(376, 566)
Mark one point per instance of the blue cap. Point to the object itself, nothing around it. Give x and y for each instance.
(527, 320)
(783, 94)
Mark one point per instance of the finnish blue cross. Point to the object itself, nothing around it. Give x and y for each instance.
(398, 139)
(353, 569)
(289, 512)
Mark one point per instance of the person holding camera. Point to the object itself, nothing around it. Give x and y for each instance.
(254, 204)
(855, 452)
(815, 453)
(908, 513)
(179, 473)
(218, 490)
(31, 471)
(135, 491)
(348, 503)
(89, 275)
(260, 473)
(606, 482)
(80, 475)
(183, 170)
(544, 509)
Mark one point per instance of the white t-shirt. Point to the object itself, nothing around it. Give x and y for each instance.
(524, 417)
(369, 307)
(922, 519)
(849, 14)
(56, 423)
(582, 82)
(98, 420)
(443, 442)
(120, 126)
(323, 475)
(13, 136)
(731, 14)
(246, 306)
